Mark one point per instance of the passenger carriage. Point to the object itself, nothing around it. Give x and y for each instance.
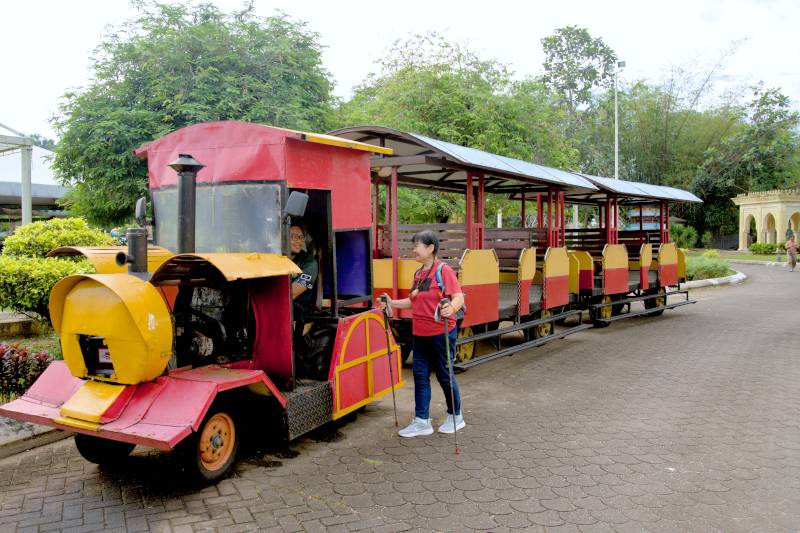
(618, 267)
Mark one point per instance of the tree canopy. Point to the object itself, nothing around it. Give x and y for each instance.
(444, 90)
(175, 65)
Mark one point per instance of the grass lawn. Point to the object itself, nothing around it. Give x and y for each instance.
(724, 254)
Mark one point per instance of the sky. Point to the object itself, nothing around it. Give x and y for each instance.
(49, 42)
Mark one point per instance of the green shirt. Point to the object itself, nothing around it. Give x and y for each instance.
(307, 278)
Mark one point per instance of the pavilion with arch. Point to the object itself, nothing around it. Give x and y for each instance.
(768, 216)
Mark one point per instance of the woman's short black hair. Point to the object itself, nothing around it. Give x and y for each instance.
(427, 237)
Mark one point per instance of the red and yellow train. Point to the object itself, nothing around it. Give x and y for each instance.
(186, 343)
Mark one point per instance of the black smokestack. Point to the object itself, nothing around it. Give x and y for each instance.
(187, 168)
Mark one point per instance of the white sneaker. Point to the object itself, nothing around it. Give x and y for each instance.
(417, 428)
(447, 425)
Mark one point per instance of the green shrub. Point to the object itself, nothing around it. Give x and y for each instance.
(19, 368)
(706, 267)
(25, 282)
(766, 248)
(683, 236)
(706, 239)
(711, 253)
(38, 238)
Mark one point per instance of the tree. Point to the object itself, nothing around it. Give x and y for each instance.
(763, 154)
(431, 86)
(175, 65)
(576, 64)
(43, 142)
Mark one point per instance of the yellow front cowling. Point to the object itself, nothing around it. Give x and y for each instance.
(128, 312)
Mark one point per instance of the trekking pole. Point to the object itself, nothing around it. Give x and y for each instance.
(442, 302)
(387, 314)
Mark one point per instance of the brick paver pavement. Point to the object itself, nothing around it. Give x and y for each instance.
(687, 422)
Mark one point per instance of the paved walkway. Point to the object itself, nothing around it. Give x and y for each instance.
(687, 422)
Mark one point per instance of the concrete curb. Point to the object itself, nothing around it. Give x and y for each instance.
(738, 277)
(754, 262)
(23, 444)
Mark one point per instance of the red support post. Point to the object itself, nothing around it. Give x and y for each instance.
(395, 247)
(376, 190)
(563, 236)
(480, 216)
(523, 207)
(469, 211)
(641, 223)
(539, 212)
(550, 218)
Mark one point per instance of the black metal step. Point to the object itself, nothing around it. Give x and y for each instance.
(308, 406)
(632, 314)
(519, 347)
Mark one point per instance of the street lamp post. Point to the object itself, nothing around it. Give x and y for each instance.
(620, 66)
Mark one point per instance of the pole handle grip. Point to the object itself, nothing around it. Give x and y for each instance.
(388, 308)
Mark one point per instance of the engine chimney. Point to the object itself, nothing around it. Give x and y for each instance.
(187, 168)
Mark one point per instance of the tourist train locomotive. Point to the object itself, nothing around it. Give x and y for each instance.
(186, 343)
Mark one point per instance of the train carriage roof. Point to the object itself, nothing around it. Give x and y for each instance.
(633, 191)
(434, 164)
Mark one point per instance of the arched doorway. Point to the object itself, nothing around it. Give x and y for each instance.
(770, 232)
(750, 231)
(794, 223)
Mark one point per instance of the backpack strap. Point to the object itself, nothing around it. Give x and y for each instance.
(439, 279)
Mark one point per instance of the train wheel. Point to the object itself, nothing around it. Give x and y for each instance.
(607, 311)
(540, 330)
(102, 451)
(545, 329)
(660, 301)
(465, 351)
(211, 451)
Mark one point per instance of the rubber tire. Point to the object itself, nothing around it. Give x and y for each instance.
(102, 451)
(189, 452)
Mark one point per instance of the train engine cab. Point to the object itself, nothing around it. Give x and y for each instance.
(169, 353)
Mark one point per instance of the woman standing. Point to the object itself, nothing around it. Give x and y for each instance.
(791, 250)
(432, 282)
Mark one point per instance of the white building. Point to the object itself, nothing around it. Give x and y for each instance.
(45, 191)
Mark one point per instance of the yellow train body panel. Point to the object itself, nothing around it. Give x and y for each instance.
(382, 273)
(479, 267)
(556, 262)
(574, 274)
(668, 254)
(128, 312)
(681, 264)
(246, 265)
(103, 258)
(615, 256)
(527, 264)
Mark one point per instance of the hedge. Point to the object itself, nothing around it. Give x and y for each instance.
(705, 267)
(38, 238)
(766, 248)
(25, 282)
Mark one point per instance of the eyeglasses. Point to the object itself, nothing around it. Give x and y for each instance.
(298, 237)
